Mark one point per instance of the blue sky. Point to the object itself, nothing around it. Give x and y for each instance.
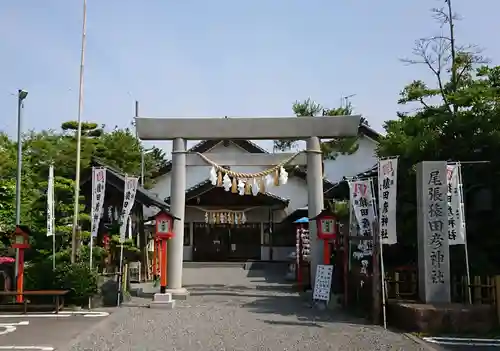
(218, 57)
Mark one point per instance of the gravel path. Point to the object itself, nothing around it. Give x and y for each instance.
(252, 312)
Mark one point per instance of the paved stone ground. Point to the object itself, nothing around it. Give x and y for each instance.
(237, 310)
(43, 331)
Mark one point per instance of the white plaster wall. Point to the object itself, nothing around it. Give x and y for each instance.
(350, 165)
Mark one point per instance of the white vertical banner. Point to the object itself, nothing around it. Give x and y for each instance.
(363, 213)
(129, 227)
(50, 202)
(128, 203)
(387, 196)
(362, 202)
(98, 192)
(456, 216)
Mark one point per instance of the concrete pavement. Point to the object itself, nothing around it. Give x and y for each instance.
(44, 332)
(233, 309)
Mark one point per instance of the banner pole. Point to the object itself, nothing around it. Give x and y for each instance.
(54, 252)
(351, 209)
(53, 219)
(462, 210)
(120, 275)
(381, 251)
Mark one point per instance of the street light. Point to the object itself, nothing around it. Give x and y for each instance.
(21, 95)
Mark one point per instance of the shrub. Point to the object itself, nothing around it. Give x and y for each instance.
(39, 276)
(79, 279)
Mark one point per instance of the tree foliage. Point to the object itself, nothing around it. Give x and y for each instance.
(118, 148)
(331, 148)
(455, 118)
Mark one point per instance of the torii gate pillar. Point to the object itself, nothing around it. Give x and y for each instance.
(271, 128)
(178, 208)
(315, 200)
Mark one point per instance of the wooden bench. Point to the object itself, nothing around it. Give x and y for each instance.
(58, 296)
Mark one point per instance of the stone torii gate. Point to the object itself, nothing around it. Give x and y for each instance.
(179, 130)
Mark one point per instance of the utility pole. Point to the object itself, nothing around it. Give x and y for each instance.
(21, 95)
(76, 209)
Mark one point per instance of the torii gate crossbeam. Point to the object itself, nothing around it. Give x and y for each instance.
(181, 129)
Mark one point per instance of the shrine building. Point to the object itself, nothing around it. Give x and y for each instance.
(223, 225)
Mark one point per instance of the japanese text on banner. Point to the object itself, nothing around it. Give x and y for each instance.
(362, 202)
(50, 203)
(98, 193)
(364, 214)
(387, 180)
(436, 216)
(456, 222)
(128, 202)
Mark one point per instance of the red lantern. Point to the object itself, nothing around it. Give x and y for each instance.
(21, 242)
(327, 226)
(21, 238)
(106, 240)
(164, 225)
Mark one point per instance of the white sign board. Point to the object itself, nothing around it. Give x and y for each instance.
(323, 282)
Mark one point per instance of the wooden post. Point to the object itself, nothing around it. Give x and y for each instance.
(376, 293)
(477, 290)
(497, 296)
(125, 278)
(396, 284)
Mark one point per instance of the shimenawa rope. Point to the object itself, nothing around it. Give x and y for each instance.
(240, 175)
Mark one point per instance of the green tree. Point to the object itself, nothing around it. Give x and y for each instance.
(457, 119)
(331, 148)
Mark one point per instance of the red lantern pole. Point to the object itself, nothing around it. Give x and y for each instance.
(20, 277)
(21, 242)
(326, 252)
(163, 268)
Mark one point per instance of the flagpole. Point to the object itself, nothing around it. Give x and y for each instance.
(120, 276)
(92, 212)
(130, 189)
(79, 138)
(91, 250)
(462, 210)
(50, 198)
(381, 250)
(351, 209)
